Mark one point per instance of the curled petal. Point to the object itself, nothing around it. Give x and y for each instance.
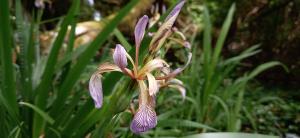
(188, 61)
(175, 72)
(144, 120)
(179, 70)
(95, 89)
(181, 89)
(119, 56)
(140, 30)
(152, 65)
(153, 85)
(175, 82)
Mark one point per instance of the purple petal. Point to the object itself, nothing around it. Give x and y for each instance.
(144, 120)
(119, 56)
(95, 89)
(140, 30)
(174, 13)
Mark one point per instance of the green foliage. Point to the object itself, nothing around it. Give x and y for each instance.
(215, 99)
(46, 95)
(43, 96)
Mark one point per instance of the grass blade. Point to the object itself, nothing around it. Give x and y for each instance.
(222, 37)
(7, 69)
(43, 88)
(43, 114)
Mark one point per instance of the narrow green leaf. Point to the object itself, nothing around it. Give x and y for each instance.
(223, 35)
(7, 70)
(43, 88)
(206, 39)
(264, 67)
(122, 39)
(43, 114)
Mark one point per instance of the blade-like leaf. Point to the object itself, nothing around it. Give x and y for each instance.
(43, 88)
(43, 114)
(7, 70)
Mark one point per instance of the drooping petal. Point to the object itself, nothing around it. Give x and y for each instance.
(152, 84)
(188, 61)
(144, 120)
(119, 56)
(95, 89)
(140, 30)
(152, 65)
(180, 88)
(175, 82)
(108, 67)
(165, 30)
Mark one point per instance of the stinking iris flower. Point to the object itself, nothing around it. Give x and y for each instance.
(156, 72)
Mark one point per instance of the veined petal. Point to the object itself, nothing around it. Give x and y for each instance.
(180, 88)
(95, 89)
(152, 84)
(152, 65)
(140, 30)
(165, 30)
(144, 120)
(119, 56)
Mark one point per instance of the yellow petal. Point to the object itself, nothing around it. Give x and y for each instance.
(152, 84)
(108, 67)
(152, 65)
(143, 100)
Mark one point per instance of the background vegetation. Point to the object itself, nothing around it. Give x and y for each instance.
(244, 75)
